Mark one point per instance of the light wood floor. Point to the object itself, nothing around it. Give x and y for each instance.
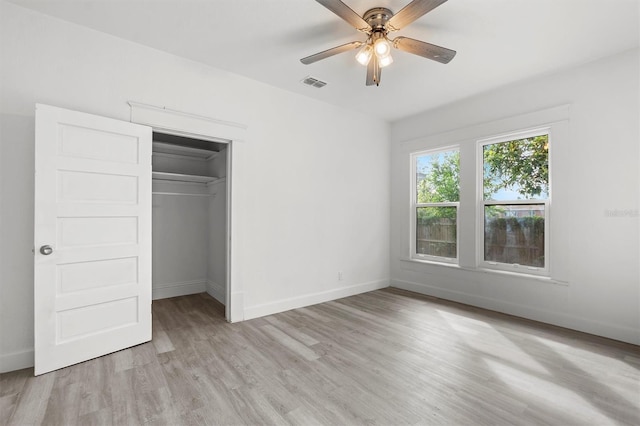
(387, 357)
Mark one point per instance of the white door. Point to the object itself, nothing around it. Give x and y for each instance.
(92, 284)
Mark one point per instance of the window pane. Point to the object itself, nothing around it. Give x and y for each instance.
(514, 234)
(517, 169)
(436, 233)
(437, 177)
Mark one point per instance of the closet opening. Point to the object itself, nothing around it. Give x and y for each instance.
(190, 232)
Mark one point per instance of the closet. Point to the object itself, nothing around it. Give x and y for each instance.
(189, 217)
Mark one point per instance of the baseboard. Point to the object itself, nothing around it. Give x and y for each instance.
(163, 291)
(16, 361)
(217, 291)
(311, 299)
(611, 331)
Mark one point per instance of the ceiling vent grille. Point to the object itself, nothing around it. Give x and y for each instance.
(313, 82)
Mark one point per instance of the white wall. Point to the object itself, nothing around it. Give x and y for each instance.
(217, 264)
(311, 182)
(180, 244)
(594, 257)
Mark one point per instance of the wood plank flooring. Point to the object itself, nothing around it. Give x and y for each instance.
(388, 357)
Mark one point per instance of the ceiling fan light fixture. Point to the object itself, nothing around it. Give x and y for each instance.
(382, 47)
(364, 55)
(385, 60)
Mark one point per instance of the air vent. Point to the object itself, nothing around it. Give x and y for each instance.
(314, 82)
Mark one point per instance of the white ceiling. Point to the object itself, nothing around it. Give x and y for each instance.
(498, 42)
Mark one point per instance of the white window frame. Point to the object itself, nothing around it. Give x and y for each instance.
(414, 205)
(482, 203)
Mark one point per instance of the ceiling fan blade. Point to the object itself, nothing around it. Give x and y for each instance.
(330, 52)
(346, 13)
(411, 12)
(373, 72)
(427, 50)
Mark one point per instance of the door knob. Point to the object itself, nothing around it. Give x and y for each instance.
(46, 250)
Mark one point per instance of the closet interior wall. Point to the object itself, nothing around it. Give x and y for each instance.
(189, 217)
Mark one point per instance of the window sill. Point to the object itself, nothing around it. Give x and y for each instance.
(544, 279)
(432, 262)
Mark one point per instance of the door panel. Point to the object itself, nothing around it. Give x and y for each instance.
(78, 232)
(88, 275)
(97, 187)
(92, 294)
(88, 143)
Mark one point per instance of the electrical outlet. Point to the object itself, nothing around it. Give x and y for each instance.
(340, 276)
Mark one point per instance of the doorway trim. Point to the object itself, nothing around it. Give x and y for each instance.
(179, 123)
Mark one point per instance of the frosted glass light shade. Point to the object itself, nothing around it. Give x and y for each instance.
(382, 47)
(385, 60)
(364, 55)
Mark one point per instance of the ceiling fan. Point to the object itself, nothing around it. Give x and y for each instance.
(377, 23)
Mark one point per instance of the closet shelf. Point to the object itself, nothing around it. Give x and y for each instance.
(178, 177)
(183, 151)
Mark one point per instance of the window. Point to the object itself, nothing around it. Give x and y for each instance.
(515, 202)
(434, 209)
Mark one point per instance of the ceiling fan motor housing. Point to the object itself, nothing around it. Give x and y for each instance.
(377, 18)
